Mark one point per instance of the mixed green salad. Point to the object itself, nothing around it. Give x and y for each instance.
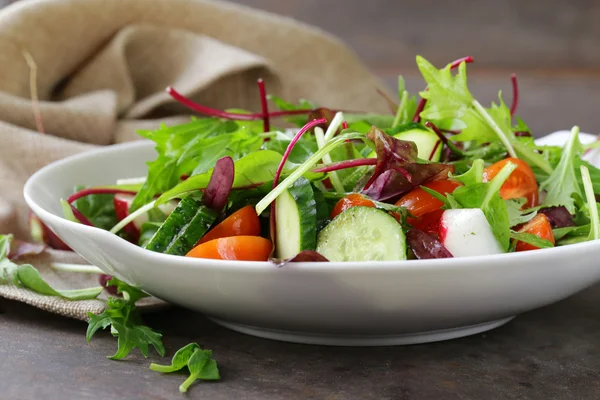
(439, 176)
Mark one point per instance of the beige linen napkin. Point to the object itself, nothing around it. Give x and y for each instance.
(103, 65)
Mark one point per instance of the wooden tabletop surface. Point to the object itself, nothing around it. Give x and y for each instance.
(551, 353)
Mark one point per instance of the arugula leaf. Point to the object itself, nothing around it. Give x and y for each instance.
(473, 175)
(486, 196)
(562, 184)
(449, 100)
(201, 366)
(451, 104)
(192, 149)
(516, 214)
(179, 361)
(125, 322)
(531, 239)
(99, 209)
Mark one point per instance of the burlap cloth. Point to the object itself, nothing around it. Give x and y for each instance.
(103, 65)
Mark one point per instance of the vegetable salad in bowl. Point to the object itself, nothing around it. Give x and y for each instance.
(441, 176)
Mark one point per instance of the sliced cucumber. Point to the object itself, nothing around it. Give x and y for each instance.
(363, 234)
(183, 228)
(296, 220)
(322, 209)
(425, 139)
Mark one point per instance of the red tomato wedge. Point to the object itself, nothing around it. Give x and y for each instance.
(424, 206)
(521, 183)
(242, 222)
(240, 248)
(352, 200)
(538, 226)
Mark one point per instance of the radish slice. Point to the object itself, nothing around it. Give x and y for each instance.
(466, 232)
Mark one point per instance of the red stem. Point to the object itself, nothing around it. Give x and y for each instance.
(263, 105)
(344, 125)
(437, 131)
(359, 162)
(453, 64)
(80, 216)
(515, 88)
(420, 107)
(90, 191)
(290, 147)
(437, 144)
(224, 114)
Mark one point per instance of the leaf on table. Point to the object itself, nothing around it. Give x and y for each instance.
(30, 278)
(179, 361)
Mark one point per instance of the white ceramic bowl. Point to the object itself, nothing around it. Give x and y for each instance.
(370, 303)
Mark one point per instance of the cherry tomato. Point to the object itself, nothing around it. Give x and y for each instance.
(424, 206)
(539, 226)
(243, 222)
(521, 183)
(241, 248)
(352, 200)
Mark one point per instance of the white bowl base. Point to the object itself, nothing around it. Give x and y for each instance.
(367, 340)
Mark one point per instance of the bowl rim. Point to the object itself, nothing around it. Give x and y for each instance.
(478, 261)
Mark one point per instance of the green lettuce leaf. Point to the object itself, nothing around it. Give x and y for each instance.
(192, 149)
(562, 183)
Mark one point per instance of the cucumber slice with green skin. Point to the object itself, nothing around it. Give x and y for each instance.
(183, 228)
(296, 220)
(322, 209)
(424, 138)
(363, 234)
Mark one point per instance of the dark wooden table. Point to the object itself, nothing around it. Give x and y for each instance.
(551, 353)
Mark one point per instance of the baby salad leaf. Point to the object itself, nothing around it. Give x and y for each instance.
(562, 184)
(201, 366)
(192, 149)
(179, 361)
(473, 175)
(398, 169)
(30, 278)
(516, 214)
(251, 170)
(451, 105)
(99, 209)
(450, 101)
(486, 196)
(27, 276)
(199, 363)
(125, 322)
(531, 239)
